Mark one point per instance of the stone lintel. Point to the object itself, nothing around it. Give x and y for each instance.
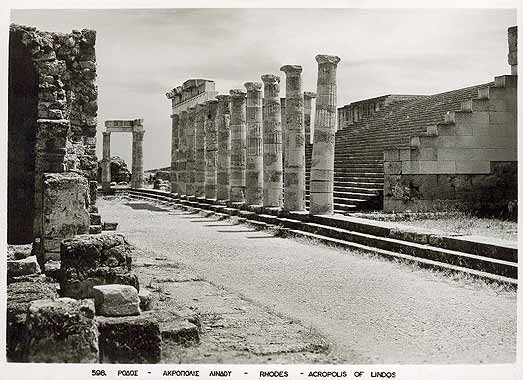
(270, 78)
(253, 86)
(291, 69)
(323, 58)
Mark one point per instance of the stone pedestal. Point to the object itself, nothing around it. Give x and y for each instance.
(199, 150)
(137, 158)
(307, 110)
(174, 153)
(224, 147)
(211, 150)
(513, 49)
(294, 165)
(254, 158)
(272, 143)
(238, 144)
(182, 152)
(322, 170)
(106, 161)
(190, 176)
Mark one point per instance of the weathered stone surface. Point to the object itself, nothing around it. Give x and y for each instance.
(65, 209)
(254, 153)
(109, 226)
(211, 149)
(61, 331)
(238, 145)
(190, 151)
(322, 169)
(137, 159)
(135, 339)
(90, 260)
(19, 251)
(116, 300)
(53, 270)
(19, 296)
(95, 229)
(22, 267)
(147, 300)
(294, 164)
(95, 218)
(223, 121)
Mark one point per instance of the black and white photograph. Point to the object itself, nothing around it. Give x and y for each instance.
(265, 190)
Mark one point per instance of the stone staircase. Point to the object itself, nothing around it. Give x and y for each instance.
(358, 164)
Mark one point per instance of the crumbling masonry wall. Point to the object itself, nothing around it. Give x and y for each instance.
(53, 113)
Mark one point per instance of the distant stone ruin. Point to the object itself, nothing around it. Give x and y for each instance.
(119, 171)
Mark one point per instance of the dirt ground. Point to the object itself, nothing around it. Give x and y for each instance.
(268, 299)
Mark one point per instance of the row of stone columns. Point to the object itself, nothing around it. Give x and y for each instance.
(227, 150)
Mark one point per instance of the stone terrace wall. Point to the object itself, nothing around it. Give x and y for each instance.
(65, 65)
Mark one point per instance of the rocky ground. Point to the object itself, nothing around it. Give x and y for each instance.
(266, 299)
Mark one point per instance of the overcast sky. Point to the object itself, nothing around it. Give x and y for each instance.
(142, 54)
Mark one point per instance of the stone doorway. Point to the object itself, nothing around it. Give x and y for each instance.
(22, 116)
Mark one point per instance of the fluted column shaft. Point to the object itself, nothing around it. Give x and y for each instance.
(294, 165)
(254, 157)
(272, 143)
(137, 160)
(211, 149)
(182, 151)
(322, 170)
(190, 139)
(199, 150)
(238, 144)
(174, 153)
(223, 122)
(106, 161)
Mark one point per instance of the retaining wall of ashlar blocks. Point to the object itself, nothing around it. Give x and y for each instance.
(466, 162)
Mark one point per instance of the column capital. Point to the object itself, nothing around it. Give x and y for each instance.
(238, 93)
(309, 94)
(270, 78)
(106, 133)
(253, 86)
(323, 58)
(291, 69)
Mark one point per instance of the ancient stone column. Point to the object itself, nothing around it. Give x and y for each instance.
(174, 153)
(211, 149)
(137, 158)
(254, 158)
(199, 150)
(238, 144)
(294, 165)
(513, 49)
(106, 161)
(182, 151)
(272, 143)
(283, 129)
(322, 170)
(223, 121)
(307, 110)
(189, 141)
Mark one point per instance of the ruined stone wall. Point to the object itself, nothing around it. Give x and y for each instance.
(65, 124)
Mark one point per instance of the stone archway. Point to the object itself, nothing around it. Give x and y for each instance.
(136, 128)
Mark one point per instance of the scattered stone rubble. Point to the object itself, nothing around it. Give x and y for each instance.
(86, 307)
